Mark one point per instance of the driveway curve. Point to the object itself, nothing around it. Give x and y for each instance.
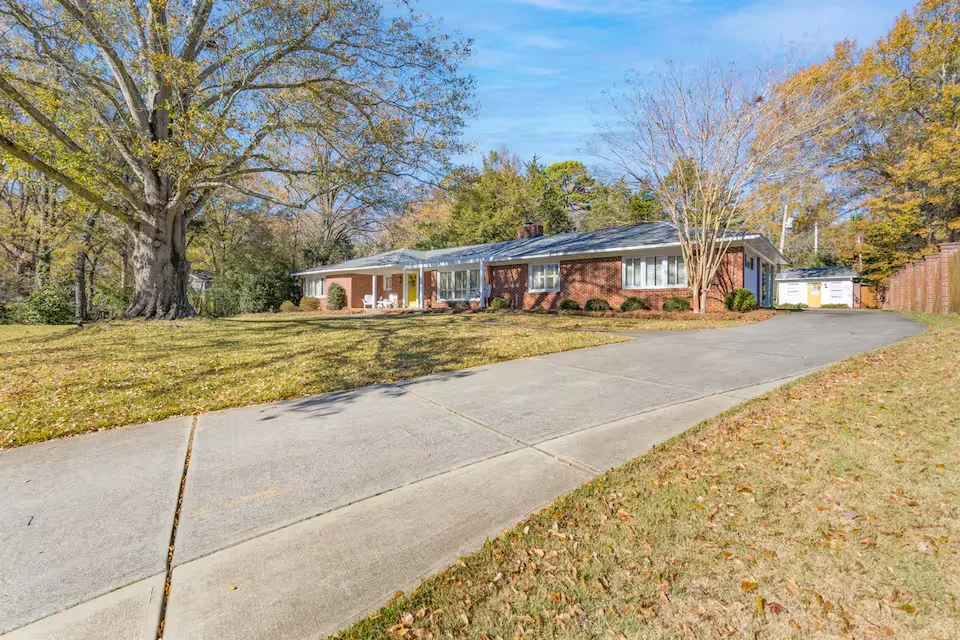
(299, 517)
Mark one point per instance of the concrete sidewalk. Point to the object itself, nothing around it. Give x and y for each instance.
(298, 517)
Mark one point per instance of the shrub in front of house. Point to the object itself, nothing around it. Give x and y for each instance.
(309, 303)
(834, 305)
(288, 307)
(792, 305)
(336, 297)
(460, 305)
(634, 303)
(499, 303)
(597, 304)
(569, 305)
(741, 300)
(676, 303)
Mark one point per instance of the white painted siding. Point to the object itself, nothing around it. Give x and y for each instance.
(750, 280)
(837, 292)
(792, 293)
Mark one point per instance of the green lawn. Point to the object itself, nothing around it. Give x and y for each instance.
(829, 508)
(634, 321)
(58, 381)
(17, 331)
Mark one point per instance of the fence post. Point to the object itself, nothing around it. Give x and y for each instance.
(946, 250)
(931, 284)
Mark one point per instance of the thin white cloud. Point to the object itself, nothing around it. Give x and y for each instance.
(777, 23)
(540, 41)
(609, 6)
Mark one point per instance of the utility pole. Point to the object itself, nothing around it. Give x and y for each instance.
(783, 227)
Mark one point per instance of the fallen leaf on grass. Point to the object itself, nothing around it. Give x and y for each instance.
(748, 586)
(775, 607)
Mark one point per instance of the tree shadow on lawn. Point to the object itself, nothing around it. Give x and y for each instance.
(142, 397)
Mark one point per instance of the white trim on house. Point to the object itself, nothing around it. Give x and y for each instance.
(554, 273)
(471, 291)
(311, 288)
(660, 271)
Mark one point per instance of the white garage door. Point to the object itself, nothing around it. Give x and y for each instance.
(837, 293)
(792, 293)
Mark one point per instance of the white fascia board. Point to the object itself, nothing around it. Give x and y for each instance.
(821, 279)
(368, 271)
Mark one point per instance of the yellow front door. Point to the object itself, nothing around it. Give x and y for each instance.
(813, 294)
(411, 290)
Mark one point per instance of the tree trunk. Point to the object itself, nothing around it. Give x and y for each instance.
(80, 297)
(79, 291)
(124, 267)
(90, 288)
(160, 269)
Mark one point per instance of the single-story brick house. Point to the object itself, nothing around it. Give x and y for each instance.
(537, 272)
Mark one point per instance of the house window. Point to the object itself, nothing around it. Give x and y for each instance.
(749, 263)
(387, 283)
(653, 272)
(544, 277)
(314, 287)
(458, 285)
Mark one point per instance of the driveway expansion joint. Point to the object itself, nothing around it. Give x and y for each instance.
(173, 529)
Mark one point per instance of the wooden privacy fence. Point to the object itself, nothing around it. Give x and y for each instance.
(931, 285)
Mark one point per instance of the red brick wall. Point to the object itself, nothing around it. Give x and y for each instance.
(358, 285)
(581, 280)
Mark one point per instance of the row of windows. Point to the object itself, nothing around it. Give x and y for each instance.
(654, 271)
(458, 285)
(649, 272)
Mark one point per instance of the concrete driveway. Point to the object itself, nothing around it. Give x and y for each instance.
(299, 517)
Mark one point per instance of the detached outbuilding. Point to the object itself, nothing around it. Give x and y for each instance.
(816, 287)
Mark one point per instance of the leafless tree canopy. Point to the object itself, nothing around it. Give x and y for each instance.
(706, 139)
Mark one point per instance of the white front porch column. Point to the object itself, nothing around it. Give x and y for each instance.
(483, 288)
(374, 290)
(420, 300)
(406, 289)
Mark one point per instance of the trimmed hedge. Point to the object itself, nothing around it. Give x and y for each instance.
(336, 297)
(834, 305)
(634, 303)
(288, 307)
(499, 303)
(309, 303)
(741, 300)
(676, 303)
(569, 305)
(597, 304)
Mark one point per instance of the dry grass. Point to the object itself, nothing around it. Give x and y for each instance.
(17, 331)
(827, 509)
(629, 321)
(76, 380)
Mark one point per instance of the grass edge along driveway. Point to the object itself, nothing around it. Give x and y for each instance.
(827, 508)
(67, 381)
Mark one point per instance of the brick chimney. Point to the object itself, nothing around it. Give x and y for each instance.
(530, 230)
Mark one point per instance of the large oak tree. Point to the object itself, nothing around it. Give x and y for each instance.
(147, 108)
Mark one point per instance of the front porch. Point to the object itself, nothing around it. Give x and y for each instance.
(422, 288)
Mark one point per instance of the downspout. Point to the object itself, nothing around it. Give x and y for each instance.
(483, 288)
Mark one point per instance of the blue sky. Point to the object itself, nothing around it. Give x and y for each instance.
(542, 66)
